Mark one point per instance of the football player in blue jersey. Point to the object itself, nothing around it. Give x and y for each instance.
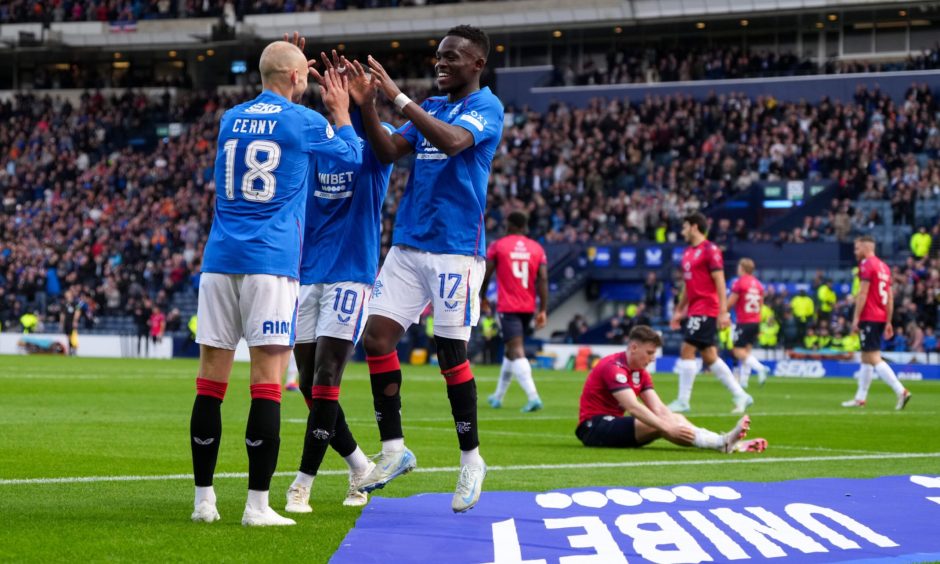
(251, 263)
(438, 246)
(344, 213)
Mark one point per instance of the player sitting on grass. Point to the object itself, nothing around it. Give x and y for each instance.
(620, 383)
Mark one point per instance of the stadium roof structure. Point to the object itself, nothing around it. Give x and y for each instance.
(381, 23)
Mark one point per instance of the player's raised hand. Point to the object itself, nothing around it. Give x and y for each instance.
(361, 84)
(335, 94)
(297, 40)
(333, 62)
(541, 319)
(384, 82)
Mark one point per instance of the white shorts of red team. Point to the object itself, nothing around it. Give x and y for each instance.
(337, 310)
(411, 279)
(259, 307)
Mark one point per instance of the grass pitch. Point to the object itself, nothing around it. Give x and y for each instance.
(124, 424)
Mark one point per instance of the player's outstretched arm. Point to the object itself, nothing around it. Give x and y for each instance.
(680, 310)
(667, 427)
(860, 303)
(889, 311)
(724, 318)
(542, 281)
(449, 139)
(388, 148)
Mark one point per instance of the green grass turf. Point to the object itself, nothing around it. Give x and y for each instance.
(67, 417)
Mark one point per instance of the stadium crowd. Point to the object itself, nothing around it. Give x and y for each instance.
(621, 172)
(19, 11)
(650, 65)
(125, 226)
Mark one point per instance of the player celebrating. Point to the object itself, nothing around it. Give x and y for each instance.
(703, 299)
(344, 208)
(620, 383)
(438, 247)
(874, 307)
(517, 261)
(251, 264)
(747, 298)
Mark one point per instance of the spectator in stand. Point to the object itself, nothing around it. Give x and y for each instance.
(617, 333)
(930, 340)
(652, 294)
(157, 323)
(576, 328)
(920, 243)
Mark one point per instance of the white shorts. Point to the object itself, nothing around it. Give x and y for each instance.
(337, 310)
(259, 307)
(410, 279)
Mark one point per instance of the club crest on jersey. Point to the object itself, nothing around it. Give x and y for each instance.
(377, 289)
(636, 378)
(698, 253)
(275, 328)
(262, 108)
(455, 111)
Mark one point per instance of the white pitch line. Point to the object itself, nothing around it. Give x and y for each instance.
(449, 469)
(526, 418)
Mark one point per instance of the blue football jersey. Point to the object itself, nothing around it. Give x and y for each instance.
(262, 164)
(443, 204)
(344, 217)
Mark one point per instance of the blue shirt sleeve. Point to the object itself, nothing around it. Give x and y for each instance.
(482, 117)
(408, 129)
(342, 145)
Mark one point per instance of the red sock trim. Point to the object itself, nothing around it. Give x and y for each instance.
(385, 363)
(309, 403)
(211, 388)
(329, 393)
(458, 374)
(266, 391)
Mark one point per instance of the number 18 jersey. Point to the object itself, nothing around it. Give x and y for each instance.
(265, 147)
(517, 259)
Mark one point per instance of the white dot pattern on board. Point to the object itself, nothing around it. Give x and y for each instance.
(658, 495)
(591, 499)
(553, 500)
(721, 492)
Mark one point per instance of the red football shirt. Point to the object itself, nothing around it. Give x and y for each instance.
(750, 295)
(878, 275)
(517, 259)
(698, 263)
(611, 374)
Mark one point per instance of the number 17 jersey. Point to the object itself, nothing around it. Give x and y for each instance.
(262, 164)
(517, 259)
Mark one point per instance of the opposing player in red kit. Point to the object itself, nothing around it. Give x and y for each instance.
(521, 269)
(620, 383)
(747, 299)
(874, 306)
(704, 306)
